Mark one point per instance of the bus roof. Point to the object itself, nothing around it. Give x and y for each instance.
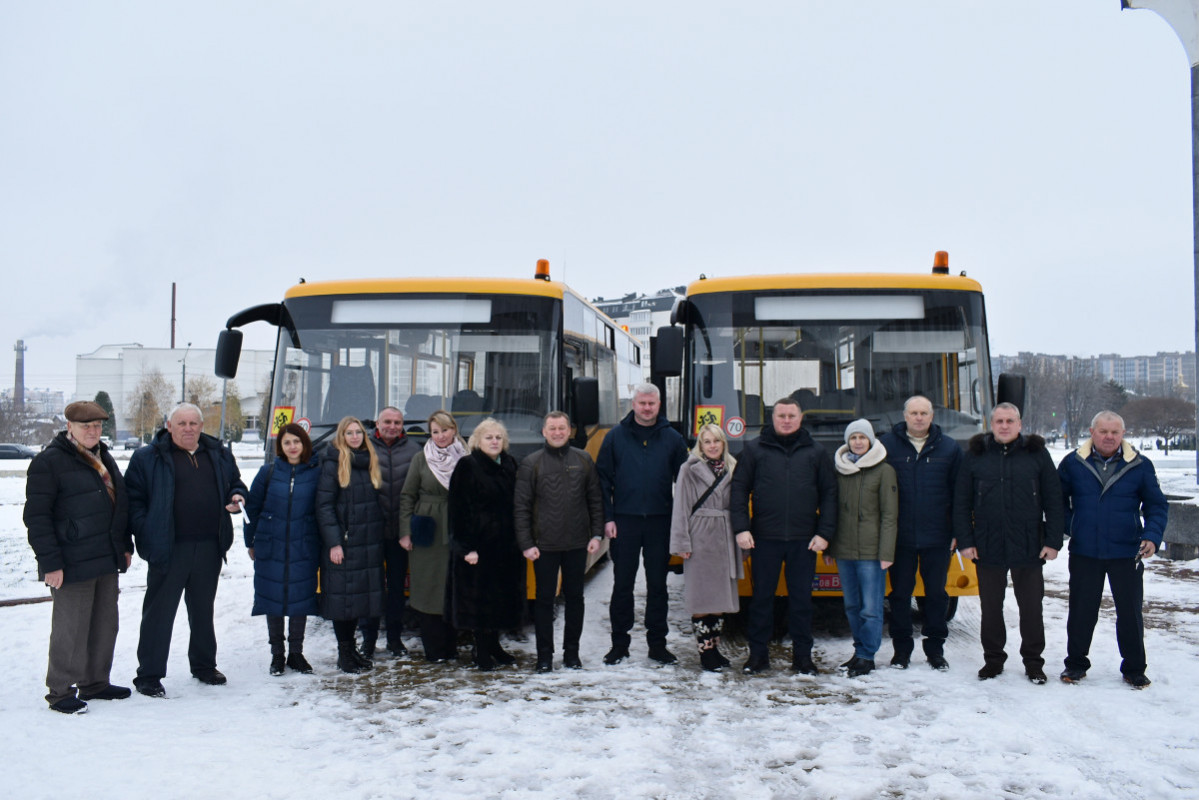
(850, 281)
(526, 286)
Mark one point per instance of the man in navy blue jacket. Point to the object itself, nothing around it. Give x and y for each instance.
(1109, 488)
(926, 466)
(182, 488)
(637, 465)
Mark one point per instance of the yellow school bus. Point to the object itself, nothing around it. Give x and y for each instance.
(846, 346)
(513, 349)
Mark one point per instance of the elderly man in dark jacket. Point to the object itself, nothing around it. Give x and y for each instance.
(395, 451)
(1008, 517)
(637, 465)
(182, 488)
(791, 481)
(76, 510)
(559, 522)
(926, 464)
(1109, 488)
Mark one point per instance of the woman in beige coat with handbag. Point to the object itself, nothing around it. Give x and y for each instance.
(701, 533)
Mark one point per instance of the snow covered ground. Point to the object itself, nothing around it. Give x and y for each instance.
(636, 730)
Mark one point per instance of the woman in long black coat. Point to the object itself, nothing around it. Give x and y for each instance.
(486, 588)
(351, 525)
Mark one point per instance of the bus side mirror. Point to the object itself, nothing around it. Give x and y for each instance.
(585, 401)
(1012, 389)
(228, 353)
(666, 353)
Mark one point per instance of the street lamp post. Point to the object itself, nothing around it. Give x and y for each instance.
(183, 381)
(1183, 17)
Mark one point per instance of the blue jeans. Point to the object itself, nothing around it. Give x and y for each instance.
(864, 584)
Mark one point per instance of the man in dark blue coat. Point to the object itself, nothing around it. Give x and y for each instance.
(75, 510)
(926, 466)
(791, 481)
(637, 465)
(182, 488)
(1109, 488)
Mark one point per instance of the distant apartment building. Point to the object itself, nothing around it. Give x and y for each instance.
(642, 314)
(40, 403)
(1147, 375)
(119, 368)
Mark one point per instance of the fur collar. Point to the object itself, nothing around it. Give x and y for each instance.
(1127, 451)
(980, 442)
(876, 455)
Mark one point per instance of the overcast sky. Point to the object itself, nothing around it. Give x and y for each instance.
(234, 147)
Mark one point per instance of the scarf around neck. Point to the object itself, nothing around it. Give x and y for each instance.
(442, 460)
(98, 465)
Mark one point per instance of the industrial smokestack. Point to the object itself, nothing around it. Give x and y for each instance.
(18, 392)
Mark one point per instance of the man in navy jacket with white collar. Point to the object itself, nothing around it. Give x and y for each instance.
(1109, 488)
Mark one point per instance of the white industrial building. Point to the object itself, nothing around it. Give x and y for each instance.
(118, 368)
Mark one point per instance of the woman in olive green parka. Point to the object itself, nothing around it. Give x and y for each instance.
(424, 496)
(865, 543)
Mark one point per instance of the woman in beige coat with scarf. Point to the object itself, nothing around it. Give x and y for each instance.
(703, 536)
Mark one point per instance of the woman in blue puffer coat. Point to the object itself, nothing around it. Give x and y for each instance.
(284, 544)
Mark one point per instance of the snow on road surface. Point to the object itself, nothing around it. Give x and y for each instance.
(637, 730)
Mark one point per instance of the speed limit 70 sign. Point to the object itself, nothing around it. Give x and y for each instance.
(734, 427)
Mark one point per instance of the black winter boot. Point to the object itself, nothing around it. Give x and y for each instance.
(274, 630)
(346, 658)
(484, 650)
(707, 635)
(297, 662)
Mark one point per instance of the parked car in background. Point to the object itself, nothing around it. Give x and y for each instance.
(132, 443)
(16, 451)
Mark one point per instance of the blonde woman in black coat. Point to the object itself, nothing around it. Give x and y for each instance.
(351, 523)
(486, 588)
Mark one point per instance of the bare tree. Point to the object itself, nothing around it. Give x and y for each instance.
(1164, 417)
(149, 403)
(202, 391)
(1083, 395)
(14, 424)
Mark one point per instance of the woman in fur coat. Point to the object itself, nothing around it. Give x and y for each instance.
(702, 535)
(865, 543)
(486, 587)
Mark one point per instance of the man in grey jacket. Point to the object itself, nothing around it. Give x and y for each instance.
(559, 522)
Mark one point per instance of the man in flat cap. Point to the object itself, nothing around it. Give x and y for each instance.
(76, 510)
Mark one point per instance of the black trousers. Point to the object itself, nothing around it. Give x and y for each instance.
(933, 563)
(193, 572)
(644, 538)
(573, 565)
(1028, 585)
(799, 566)
(296, 627)
(395, 575)
(1125, 576)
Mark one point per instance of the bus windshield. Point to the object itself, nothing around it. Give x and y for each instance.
(474, 356)
(841, 354)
